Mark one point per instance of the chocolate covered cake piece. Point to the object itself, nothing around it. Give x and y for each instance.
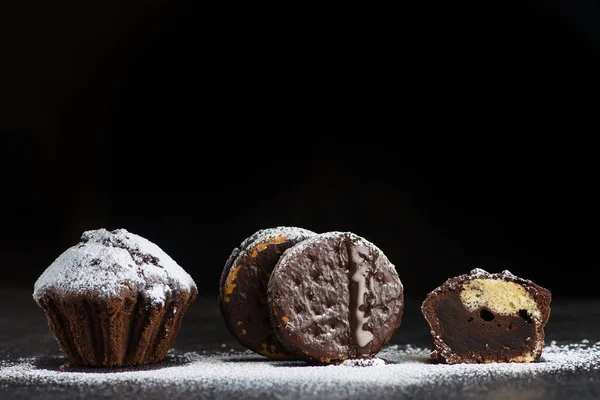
(243, 288)
(335, 296)
(487, 318)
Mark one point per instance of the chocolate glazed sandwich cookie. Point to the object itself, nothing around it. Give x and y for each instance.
(485, 318)
(243, 288)
(335, 296)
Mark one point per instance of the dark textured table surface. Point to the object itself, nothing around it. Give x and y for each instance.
(24, 334)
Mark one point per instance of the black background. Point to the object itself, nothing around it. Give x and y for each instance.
(452, 135)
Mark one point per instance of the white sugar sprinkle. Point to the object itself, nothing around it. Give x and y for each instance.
(264, 235)
(293, 233)
(404, 367)
(334, 235)
(106, 262)
(361, 362)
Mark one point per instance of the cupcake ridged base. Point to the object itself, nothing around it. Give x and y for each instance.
(118, 332)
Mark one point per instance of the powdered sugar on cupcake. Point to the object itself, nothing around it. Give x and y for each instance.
(104, 263)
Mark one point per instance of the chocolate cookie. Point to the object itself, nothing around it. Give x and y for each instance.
(487, 318)
(243, 288)
(335, 296)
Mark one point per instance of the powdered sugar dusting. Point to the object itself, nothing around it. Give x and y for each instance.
(287, 231)
(405, 367)
(333, 235)
(361, 362)
(479, 272)
(105, 262)
(293, 233)
(298, 248)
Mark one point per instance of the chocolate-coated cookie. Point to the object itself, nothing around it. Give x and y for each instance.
(335, 296)
(243, 288)
(487, 318)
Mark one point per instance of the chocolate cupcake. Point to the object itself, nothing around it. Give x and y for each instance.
(114, 299)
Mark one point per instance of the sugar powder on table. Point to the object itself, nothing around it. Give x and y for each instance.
(396, 368)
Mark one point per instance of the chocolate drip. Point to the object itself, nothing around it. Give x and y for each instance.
(361, 336)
